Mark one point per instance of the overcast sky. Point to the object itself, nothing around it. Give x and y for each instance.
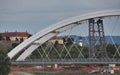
(34, 15)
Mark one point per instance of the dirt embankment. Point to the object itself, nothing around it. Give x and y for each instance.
(19, 73)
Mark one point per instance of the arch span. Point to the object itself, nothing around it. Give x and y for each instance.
(42, 36)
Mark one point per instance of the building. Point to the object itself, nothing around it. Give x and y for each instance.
(58, 39)
(80, 41)
(14, 36)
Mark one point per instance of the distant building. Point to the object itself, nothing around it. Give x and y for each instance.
(14, 36)
(80, 41)
(58, 39)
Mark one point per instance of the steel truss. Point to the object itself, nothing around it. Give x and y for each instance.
(97, 42)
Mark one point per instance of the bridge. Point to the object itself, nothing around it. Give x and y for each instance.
(97, 52)
(67, 61)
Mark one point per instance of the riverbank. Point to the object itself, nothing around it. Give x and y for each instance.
(20, 73)
(51, 70)
(25, 73)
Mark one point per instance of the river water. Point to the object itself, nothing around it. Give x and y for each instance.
(75, 74)
(58, 74)
(61, 74)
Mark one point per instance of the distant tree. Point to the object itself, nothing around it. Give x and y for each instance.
(70, 41)
(16, 39)
(111, 50)
(7, 38)
(0, 37)
(14, 45)
(29, 35)
(4, 62)
(21, 39)
(56, 43)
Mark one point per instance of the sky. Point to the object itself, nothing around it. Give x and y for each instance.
(35, 15)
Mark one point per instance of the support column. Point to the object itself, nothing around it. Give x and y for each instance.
(92, 50)
(97, 44)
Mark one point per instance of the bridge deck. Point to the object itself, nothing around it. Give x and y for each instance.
(67, 61)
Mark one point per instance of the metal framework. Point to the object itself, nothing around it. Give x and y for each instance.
(67, 61)
(97, 42)
(35, 41)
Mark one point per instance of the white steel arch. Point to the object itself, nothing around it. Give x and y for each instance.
(39, 38)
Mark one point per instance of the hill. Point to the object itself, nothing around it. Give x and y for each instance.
(109, 39)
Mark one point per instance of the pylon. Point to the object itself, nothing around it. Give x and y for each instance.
(97, 44)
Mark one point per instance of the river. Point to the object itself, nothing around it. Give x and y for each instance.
(24, 73)
(73, 74)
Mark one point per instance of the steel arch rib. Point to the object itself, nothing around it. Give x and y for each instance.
(56, 27)
(28, 51)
